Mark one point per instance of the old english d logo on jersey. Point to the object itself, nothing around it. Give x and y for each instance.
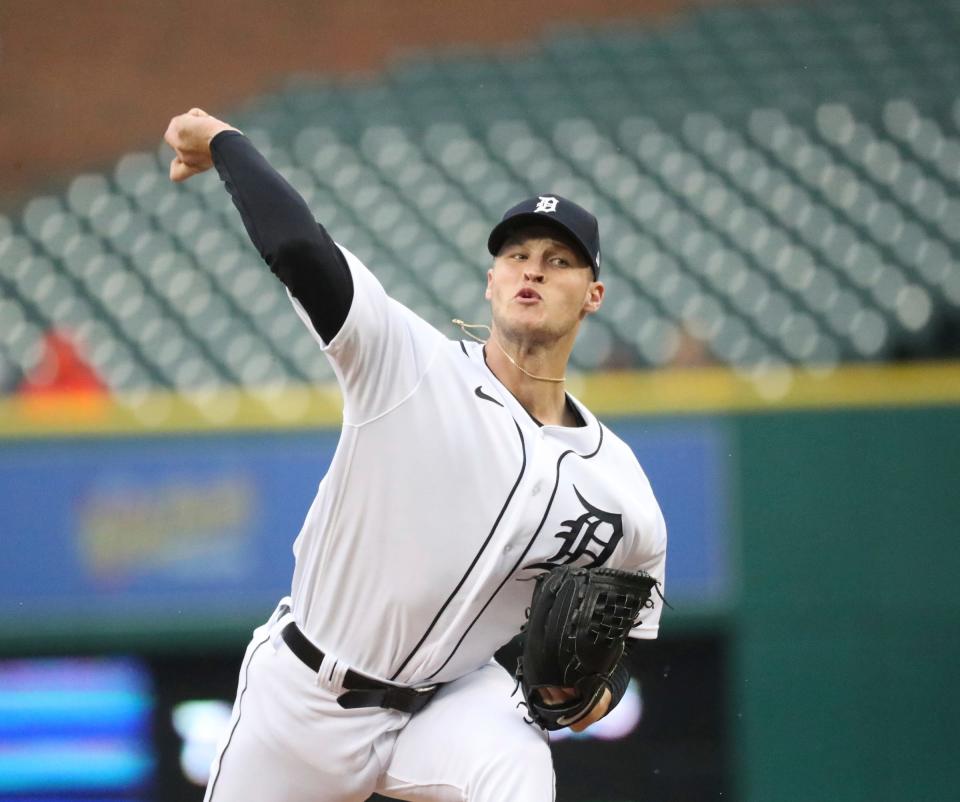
(594, 534)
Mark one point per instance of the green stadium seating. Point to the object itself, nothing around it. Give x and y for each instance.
(778, 182)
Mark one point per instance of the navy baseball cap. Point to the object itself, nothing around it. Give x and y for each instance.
(552, 210)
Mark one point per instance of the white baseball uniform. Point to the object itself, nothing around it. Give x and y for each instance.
(444, 497)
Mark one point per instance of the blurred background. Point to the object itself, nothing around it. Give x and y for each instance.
(778, 188)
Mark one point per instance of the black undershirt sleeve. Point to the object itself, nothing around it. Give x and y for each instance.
(298, 250)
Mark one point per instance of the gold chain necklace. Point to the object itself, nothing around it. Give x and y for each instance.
(464, 328)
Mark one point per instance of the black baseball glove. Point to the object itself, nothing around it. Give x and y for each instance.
(576, 629)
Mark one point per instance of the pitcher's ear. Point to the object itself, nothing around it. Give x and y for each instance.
(594, 299)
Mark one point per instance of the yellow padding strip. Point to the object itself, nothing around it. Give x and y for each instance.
(667, 392)
(166, 412)
(719, 390)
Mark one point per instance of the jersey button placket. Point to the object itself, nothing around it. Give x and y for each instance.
(532, 511)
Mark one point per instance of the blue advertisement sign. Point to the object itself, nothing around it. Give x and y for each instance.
(691, 465)
(129, 528)
(199, 528)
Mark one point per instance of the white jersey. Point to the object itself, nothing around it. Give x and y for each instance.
(444, 499)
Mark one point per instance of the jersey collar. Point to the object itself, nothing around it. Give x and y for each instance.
(582, 439)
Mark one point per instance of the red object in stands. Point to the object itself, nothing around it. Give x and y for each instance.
(61, 369)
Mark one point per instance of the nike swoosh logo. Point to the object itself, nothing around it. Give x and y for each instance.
(480, 394)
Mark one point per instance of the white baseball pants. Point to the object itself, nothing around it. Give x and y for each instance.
(289, 740)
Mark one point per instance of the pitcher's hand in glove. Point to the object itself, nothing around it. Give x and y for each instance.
(560, 696)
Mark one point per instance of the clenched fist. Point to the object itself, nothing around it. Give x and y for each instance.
(189, 135)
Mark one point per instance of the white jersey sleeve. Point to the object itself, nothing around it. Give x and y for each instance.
(382, 350)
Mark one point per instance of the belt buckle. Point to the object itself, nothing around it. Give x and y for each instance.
(422, 697)
(408, 699)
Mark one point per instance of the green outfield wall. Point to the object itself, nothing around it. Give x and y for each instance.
(847, 625)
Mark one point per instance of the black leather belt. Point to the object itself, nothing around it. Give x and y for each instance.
(361, 691)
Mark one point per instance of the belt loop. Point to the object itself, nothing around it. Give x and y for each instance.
(331, 673)
(276, 638)
(282, 610)
(282, 616)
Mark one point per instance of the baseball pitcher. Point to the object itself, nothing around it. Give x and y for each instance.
(470, 498)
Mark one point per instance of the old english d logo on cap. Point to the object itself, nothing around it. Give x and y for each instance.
(546, 204)
(575, 222)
